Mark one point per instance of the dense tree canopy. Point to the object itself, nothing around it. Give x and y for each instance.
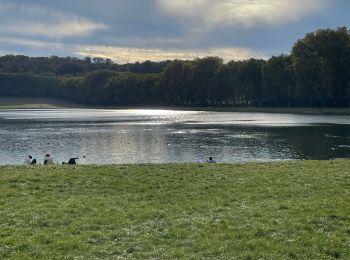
(316, 73)
(321, 63)
(278, 81)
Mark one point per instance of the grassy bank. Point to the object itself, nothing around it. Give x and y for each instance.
(297, 210)
(284, 110)
(34, 103)
(45, 103)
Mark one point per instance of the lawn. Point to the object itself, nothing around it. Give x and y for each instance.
(295, 210)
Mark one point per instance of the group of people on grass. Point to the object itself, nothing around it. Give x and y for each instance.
(48, 160)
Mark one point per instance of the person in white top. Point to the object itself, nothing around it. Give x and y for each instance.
(28, 160)
(48, 159)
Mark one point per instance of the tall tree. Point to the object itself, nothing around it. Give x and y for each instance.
(249, 87)
(204, 71)
(279, 81)
(321, 62)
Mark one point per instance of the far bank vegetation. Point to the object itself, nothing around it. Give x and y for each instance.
(315, 74)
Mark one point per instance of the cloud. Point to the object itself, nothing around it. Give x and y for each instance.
(162, 29)
(32, 43)
(35, 20)
(122, 55)
(128, 55)
(207, 14)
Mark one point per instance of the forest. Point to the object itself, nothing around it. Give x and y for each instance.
(316, 73)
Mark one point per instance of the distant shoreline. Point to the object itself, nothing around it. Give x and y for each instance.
(47, 103)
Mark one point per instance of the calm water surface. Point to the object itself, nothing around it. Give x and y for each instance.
(160, 136)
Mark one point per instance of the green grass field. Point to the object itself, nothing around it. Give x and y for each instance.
(293, 210)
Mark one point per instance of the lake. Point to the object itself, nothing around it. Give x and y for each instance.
(163, 136)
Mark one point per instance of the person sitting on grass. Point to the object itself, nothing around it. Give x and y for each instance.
(28, 160)
(48, 159)
(211, 160)
(71, 161)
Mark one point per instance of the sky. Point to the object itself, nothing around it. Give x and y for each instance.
(139, 30)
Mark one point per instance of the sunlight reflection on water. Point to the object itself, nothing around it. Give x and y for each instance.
(159, 136)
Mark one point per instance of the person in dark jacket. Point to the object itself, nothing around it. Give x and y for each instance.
(71, 161)
(211, 160)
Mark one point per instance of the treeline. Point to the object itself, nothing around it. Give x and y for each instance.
(72, 66)
(315, 74)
